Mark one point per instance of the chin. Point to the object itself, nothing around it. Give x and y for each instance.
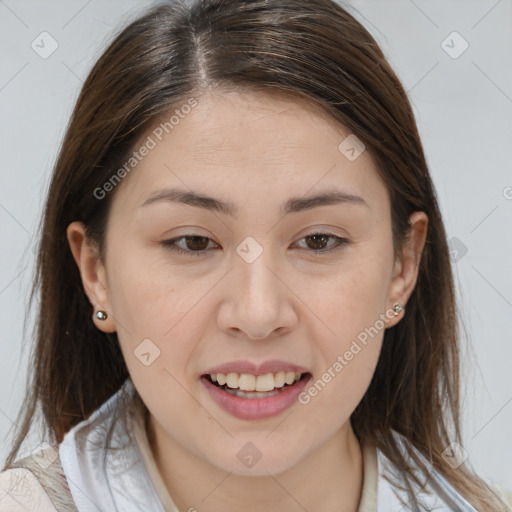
(249, 461)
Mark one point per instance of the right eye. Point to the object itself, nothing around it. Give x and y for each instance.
(198, 244)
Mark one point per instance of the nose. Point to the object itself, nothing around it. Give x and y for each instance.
(257, 301)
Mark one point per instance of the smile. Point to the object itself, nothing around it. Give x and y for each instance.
(251, 397)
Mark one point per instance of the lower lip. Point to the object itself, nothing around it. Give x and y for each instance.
(256, 408)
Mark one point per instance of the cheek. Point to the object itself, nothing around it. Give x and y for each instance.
(157, 336)
(148, 295)
(352, 299)
(352, 307)
(344, 376)
(148, 310)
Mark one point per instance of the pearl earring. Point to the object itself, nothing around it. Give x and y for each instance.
(101, 315)
(397, 308)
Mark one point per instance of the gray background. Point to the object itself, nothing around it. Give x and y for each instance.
(463, 108)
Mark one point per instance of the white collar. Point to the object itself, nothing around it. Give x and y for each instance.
(121, 485)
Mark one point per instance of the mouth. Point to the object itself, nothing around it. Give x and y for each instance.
(252, 386)
(252, 397)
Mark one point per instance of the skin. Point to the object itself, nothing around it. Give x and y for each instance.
(290, 303)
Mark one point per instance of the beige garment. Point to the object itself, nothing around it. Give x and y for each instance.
(36, 483)
(20, 491)
(368, 501)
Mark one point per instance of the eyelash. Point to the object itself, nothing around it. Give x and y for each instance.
(171, 244)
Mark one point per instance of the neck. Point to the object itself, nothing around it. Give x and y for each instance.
(329, 478)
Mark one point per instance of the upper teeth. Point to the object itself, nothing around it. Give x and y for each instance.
(247, 382)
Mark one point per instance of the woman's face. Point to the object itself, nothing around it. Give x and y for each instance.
(254, 284)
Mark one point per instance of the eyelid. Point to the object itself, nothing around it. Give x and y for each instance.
(171, 244)
(339, 243)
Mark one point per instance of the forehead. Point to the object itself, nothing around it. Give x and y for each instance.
(235, 125)
(267, 144)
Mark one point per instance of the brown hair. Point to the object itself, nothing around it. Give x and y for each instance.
(319, 53)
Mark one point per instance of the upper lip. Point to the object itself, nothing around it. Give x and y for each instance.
(272, 366)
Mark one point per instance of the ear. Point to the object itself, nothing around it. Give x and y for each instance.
(93, 273)
(406, 270)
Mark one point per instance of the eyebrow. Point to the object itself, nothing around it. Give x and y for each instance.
(292, 205)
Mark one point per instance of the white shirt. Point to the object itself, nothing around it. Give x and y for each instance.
(130, 481)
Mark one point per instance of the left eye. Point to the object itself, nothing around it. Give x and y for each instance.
(196, 245)
(321, 238)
